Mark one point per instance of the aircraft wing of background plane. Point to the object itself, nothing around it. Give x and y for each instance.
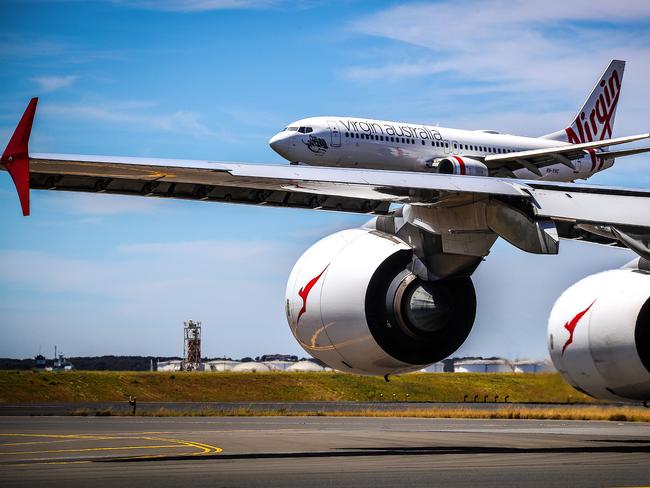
(535, 159)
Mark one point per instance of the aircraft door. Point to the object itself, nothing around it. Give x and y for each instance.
(446, 146)
(334, 133)
(454, 147)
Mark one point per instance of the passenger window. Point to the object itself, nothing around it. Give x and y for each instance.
(423, 142)
(356, 136)
(347, 134)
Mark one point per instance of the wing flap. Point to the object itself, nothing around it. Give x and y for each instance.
(605, 208)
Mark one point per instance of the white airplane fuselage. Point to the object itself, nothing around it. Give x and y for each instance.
(377, 144)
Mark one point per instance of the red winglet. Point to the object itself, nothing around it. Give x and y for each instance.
(16, 155)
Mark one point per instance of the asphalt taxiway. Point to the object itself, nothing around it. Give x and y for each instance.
(320, 451)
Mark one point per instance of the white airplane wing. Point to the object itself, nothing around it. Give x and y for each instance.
(585, 212)
(351, 190)
(538, 158)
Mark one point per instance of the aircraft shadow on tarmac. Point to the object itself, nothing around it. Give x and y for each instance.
(408, 451)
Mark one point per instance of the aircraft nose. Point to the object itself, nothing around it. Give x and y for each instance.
(279, 144)
(275, 140)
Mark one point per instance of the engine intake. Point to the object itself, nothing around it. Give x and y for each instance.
(599, 335)
(353, 304)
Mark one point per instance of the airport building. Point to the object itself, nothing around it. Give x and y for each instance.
(251, 367)
(219, 365)
(482, 366)
(529, 366)
(434, 368)
(306, 367)
(173, 365)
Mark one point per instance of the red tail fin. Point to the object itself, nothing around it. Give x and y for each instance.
(16, 156)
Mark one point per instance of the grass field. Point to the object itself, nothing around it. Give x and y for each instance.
(587, 412)
(91, 386)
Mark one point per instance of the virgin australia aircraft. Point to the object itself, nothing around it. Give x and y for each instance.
(396, 295)
(576, 152)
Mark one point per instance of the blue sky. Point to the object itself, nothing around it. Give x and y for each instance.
(214, 79)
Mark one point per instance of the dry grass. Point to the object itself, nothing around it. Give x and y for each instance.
(617, 414)
(93, 386)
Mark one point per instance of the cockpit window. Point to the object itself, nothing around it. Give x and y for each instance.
(305, 130)
(292, 129)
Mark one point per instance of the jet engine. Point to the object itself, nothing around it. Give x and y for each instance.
(457, 165)
(599, 335)
(353, 304)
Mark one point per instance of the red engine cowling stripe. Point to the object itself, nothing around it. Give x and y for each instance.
(461, 163)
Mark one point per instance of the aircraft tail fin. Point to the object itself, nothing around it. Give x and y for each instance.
(595, 120)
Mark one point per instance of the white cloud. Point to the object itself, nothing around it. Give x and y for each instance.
(53, 83)
(134, 300)
(98, 205)
(140, 114)
(518, 43)
(196, 5)
(201, 5)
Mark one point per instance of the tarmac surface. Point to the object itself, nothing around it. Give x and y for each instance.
(320, 451)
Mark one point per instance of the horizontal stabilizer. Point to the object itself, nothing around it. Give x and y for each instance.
(623, 153)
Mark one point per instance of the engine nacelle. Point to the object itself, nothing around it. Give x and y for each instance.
(599, 335)
(457, 165)
(352, 303)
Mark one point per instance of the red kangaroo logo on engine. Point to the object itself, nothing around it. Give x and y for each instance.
(571, 326)
(597, 124)
(304, 293)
